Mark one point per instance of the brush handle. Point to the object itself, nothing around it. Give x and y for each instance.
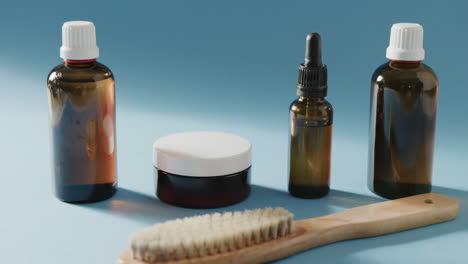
(364, 221)
(370, 220)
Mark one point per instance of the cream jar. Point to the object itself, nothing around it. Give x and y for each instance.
(202, 169)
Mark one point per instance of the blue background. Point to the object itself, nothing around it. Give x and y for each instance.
(226, 66)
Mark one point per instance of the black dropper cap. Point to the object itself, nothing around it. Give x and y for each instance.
(312, 80)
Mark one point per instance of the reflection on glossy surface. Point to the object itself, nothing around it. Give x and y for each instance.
(202, 192)
(310, 147)
(82, 113)
(402, 129)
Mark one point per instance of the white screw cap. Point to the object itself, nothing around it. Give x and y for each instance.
(79, 41)
(202, 154)
(406, 42)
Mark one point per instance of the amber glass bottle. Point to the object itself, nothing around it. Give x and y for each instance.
(82, 116)
(311, 119)
(403, 115)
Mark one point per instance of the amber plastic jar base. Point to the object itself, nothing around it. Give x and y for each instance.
(202, 192)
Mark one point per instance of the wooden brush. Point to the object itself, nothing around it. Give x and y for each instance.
(257, 236)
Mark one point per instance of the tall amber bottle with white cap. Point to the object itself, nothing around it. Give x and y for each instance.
(82, 119)
(403, 117)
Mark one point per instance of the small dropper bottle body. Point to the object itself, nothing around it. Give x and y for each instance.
(311, 122)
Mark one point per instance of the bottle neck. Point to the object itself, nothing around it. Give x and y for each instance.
(79, 63)
(405, 64)
(311, 100)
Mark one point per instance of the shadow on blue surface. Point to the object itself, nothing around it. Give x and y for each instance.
(148, 210)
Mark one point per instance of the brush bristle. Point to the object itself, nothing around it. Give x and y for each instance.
(202, 235)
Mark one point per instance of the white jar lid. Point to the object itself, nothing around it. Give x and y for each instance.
(202, 154)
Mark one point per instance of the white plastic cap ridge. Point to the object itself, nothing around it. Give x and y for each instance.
(202, 154)
(79, 41)
(406, 42)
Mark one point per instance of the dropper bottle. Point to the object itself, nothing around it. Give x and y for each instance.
(311, 118)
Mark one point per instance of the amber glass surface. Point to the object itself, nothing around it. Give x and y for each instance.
(402, 129)
(310, 147)
(82, 118)
(202, 192)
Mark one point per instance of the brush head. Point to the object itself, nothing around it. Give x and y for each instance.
(209, 234)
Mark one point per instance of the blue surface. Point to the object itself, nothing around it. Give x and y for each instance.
(207, 65)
